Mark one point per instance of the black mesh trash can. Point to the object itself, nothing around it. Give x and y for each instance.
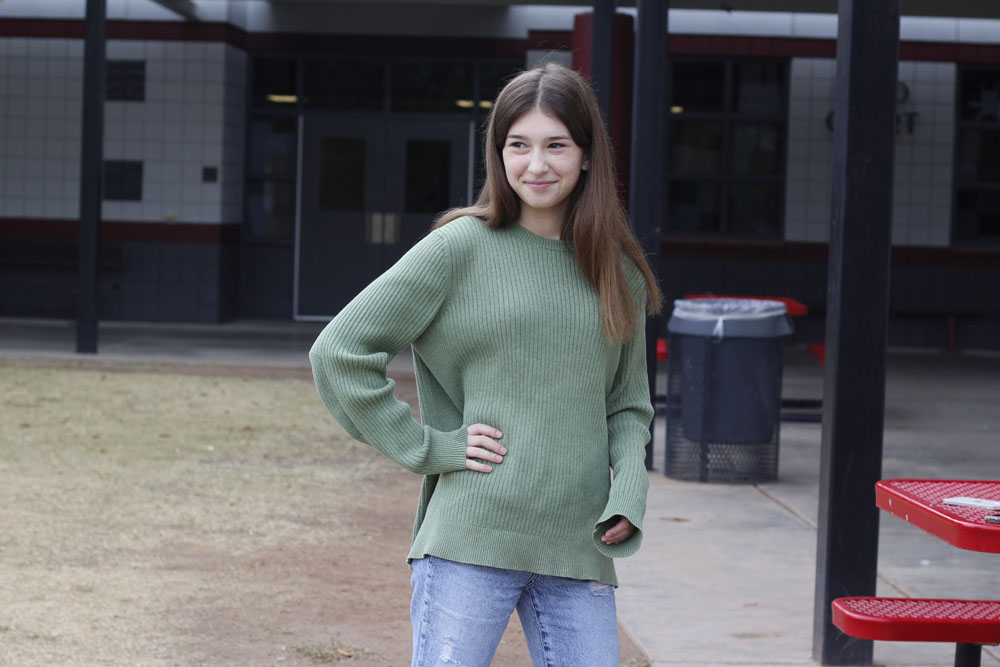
(724, 389)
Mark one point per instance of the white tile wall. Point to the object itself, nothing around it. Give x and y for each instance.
(807, 195)
(923, 166)
(232, 135)
(40, 108)
(193, 117)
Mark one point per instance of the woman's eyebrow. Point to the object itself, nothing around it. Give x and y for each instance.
(558, 136)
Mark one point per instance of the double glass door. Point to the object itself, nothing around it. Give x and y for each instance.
(369, 188)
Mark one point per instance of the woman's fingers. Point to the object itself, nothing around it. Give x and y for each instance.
(484, 454)
(480, 446)
(472, 464)
(619, 532)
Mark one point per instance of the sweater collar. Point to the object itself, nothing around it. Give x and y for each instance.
(528, 236)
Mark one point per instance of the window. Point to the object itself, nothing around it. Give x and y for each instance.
(727, 129)
(428, 174)
(274, 83)
(977, 156)
(122, 180)
(433, 87)
(355, 85)
(126, 80)
(283, 87)
(271, 166)
(493, 76)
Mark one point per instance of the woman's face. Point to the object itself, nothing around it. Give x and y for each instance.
(542, 163)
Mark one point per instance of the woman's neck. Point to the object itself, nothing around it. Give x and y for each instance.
(547, 225)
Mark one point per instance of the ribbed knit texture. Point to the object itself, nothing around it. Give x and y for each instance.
(506, 331)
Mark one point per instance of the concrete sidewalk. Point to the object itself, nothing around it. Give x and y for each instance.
(726, 572)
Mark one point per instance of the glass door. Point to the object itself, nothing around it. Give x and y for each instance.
(428, 173)
(339, 235)
(370, 188)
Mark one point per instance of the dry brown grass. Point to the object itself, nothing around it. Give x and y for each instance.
(155, 517)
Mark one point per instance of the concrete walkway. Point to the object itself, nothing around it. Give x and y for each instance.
(726, 572)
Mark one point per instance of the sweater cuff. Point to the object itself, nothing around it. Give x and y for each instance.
(631, 511)
(447, 450)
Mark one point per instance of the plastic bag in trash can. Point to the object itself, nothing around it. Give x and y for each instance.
(730, 382)
(738, 318)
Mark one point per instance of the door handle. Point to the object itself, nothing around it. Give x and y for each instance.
(373, 228)
(391, 229)
(381, 228)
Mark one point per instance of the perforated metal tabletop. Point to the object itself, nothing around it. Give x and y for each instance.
(919, 501)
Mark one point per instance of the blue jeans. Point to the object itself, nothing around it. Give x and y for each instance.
(459, 613)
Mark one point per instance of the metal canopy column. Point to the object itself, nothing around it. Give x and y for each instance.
(856, 318)
(600, 54)
(91, 176)
(649, 152)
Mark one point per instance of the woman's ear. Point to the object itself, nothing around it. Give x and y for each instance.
(586, 164)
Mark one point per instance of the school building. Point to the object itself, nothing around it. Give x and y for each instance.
(266, 159)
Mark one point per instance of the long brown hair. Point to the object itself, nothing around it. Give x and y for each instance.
(596, 224)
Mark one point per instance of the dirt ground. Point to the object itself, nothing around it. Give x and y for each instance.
(173, 516)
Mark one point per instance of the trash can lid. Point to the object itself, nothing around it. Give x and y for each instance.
(722, 318)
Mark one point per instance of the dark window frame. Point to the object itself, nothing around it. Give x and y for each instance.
(958, 184)
(257, 112)
(125, 80)
(725, 176)
(123, 180)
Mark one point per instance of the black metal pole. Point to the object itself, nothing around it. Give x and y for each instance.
(968, 655)
(91, 176)
(600, 53)
(856, 318)
(649, 153)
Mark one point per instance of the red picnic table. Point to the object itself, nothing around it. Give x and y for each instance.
(967, 623)
(921, 502)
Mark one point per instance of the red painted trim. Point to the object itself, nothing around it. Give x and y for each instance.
(175, 31)
(583, 32)
(724, 45)
(793, 47)
(798, 251)
(620, 107)
(145, 232)
(152, 30)
(67, 29)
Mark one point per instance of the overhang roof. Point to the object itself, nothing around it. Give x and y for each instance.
(940, 8)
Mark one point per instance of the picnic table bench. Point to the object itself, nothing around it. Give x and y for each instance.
(969, 624)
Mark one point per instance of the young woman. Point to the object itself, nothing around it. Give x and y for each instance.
(525, 314)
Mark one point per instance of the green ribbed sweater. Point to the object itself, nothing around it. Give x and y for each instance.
(505, 331)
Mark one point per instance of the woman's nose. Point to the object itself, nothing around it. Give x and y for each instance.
(538, 165)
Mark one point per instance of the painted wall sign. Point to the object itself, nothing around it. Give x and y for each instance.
(905, 120)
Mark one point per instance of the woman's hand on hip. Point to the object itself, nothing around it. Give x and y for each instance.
(619, 532)
(481, 446)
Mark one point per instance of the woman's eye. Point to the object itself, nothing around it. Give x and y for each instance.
(557, 145)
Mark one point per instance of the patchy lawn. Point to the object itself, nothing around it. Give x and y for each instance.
(168, 515)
